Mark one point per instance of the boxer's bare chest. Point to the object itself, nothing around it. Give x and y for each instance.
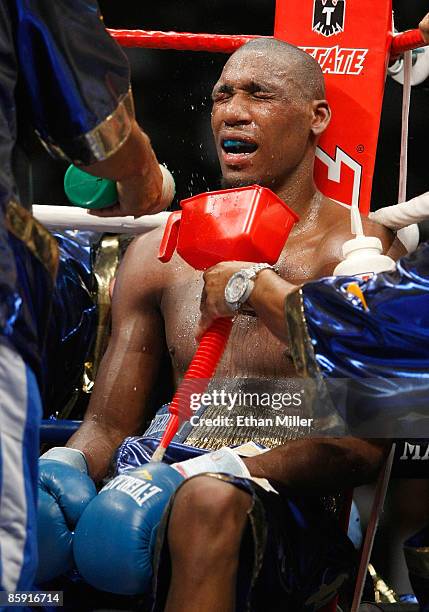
(252, 351)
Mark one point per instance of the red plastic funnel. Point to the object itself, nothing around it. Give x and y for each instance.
(245, 224)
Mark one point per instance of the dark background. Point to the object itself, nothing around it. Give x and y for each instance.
(172, 95)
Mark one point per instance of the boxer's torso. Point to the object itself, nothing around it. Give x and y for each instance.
(252, 351)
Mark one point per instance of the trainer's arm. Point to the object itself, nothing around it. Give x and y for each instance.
(267, 298)
(136, 170)
(270, 291)
(130, 365)
(321, 465)
(424, 28)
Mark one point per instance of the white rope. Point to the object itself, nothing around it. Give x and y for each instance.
(419, 72)
(409, 236)
(402, 195)
(71, 217)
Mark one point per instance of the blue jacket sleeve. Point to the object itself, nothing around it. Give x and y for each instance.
(75, 78)
(378, 345)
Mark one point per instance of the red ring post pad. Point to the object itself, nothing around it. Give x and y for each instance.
(351, 41)
(406, 41)
(181, 41)
(244, 224)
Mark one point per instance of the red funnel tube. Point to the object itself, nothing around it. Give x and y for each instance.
(200, 371)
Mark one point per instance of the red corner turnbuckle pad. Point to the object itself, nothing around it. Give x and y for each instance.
(351, 41)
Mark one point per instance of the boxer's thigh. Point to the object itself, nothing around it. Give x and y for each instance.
(216, 496)
(20, 412)
(293, 555)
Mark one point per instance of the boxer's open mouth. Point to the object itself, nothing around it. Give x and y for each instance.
(234, 146)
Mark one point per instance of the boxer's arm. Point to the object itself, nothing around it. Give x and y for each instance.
(130, 365)
(321, 465)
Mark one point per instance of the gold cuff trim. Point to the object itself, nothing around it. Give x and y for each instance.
(102, 141)
(417, 561)
(104, 269)
(303, 355)
(21, 223)
(300, 344)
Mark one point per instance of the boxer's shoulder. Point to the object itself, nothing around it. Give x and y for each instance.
(144, 251)
(141, 272)
(335, 218)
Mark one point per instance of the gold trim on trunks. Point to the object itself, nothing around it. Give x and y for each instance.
(101, 142)
(233, 431)
(21, 223)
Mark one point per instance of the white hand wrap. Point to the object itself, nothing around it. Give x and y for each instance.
(71, 456)
(168, 186)
(402, 215)
(223, 460)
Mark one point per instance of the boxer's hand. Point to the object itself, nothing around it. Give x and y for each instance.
(65, 489)
(424, 28)
(115, 537)
(213, 305)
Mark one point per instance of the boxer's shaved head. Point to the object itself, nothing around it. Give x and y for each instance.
(296, 63)
(269, 110)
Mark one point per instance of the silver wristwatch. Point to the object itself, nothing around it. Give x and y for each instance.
(240, 285)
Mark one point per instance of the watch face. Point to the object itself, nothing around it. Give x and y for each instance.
(236, 287)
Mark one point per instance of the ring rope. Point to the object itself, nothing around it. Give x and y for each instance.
(182, 41)
(228, 43)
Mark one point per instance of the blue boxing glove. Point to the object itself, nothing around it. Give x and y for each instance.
(65, 489)
(115, 537)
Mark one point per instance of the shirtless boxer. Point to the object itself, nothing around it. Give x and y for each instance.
(269, 110)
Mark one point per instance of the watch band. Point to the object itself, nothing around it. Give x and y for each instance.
(252, 273)
(249, 274)
(254, 270)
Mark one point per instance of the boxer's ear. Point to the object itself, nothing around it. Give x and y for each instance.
(321, 116)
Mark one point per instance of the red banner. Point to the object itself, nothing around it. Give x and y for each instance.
(351, 42)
